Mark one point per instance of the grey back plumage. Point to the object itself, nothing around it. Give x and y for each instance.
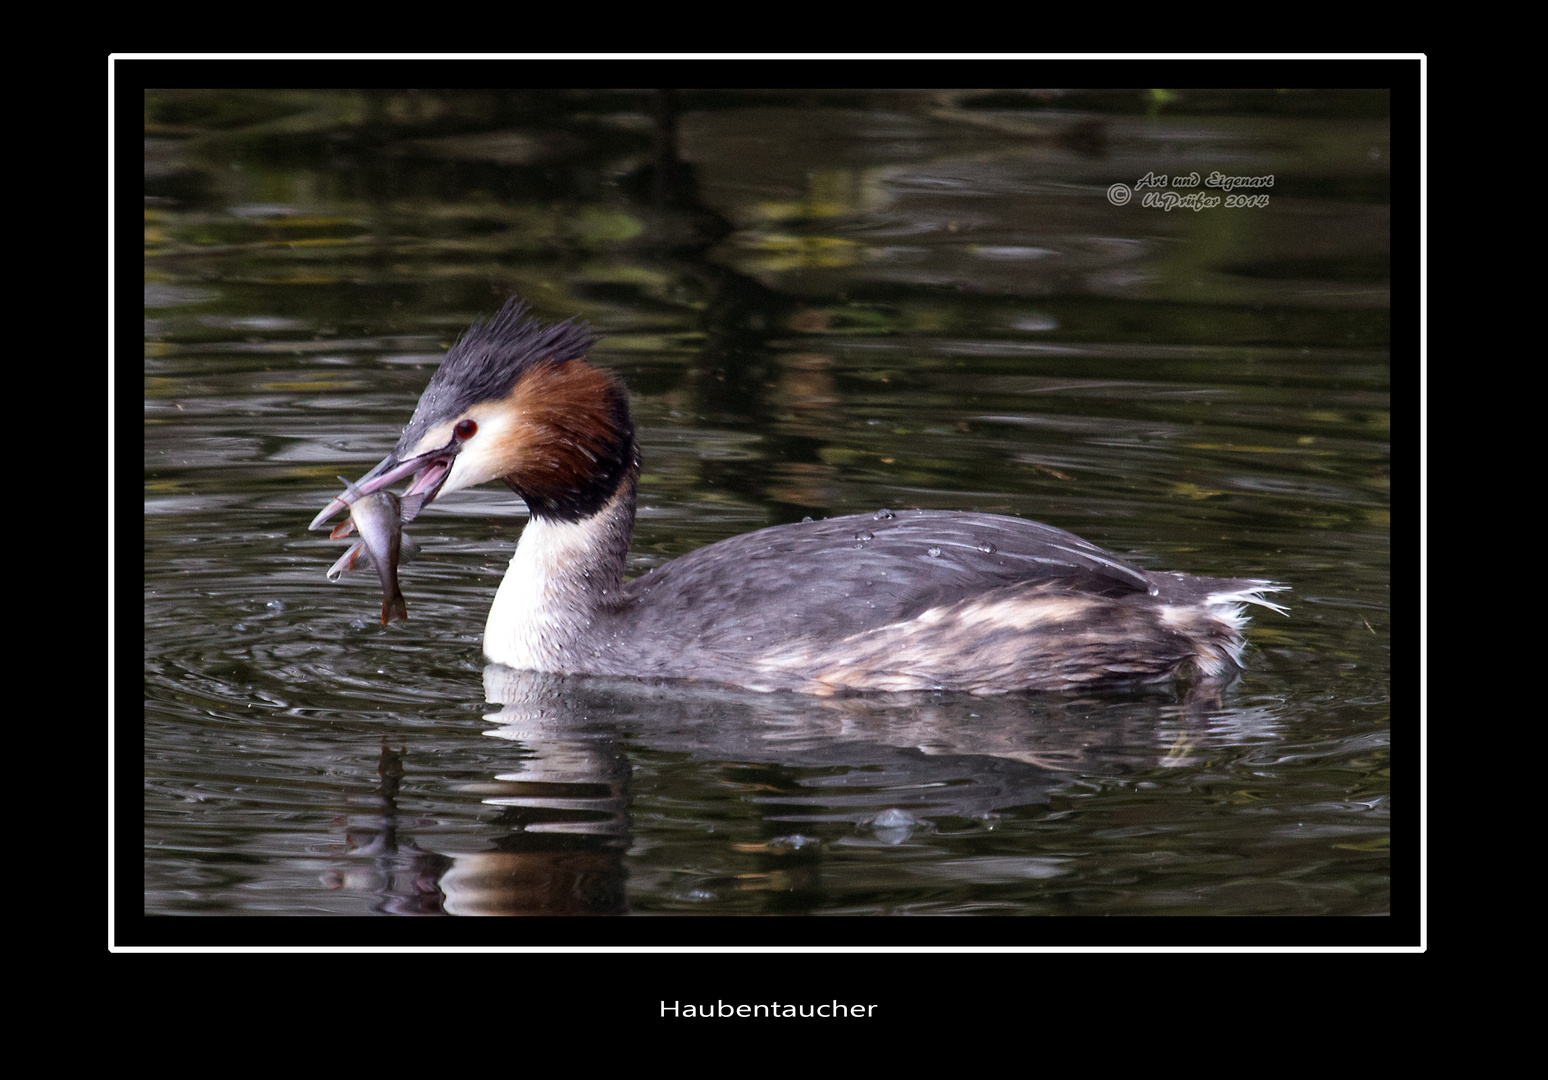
(828, 579)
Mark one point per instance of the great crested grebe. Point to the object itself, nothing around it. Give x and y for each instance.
(895, 601)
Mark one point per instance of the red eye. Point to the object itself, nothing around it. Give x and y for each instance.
(466, 429)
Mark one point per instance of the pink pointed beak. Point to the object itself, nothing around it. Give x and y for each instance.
(429, 471)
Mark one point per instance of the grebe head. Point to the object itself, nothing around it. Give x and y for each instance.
(514, 400)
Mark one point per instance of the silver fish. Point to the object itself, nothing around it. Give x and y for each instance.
(379, 518)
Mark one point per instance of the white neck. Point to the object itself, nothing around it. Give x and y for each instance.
(564, 573)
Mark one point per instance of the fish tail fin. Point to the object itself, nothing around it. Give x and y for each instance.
(394, 606)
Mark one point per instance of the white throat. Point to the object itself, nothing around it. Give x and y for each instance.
(564, 573)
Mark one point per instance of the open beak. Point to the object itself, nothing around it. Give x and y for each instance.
(428, 469)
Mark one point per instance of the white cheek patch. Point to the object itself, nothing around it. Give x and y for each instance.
(462, 471)
(488, 455)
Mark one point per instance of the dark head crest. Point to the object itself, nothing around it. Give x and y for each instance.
(490, 358)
